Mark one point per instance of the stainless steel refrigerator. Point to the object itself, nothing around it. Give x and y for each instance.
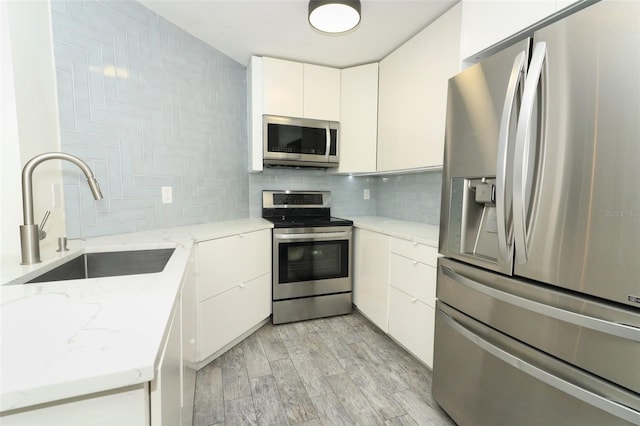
(538, 311)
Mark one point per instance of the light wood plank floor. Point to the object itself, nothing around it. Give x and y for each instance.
(331, 371)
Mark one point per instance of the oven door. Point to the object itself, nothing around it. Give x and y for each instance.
(311, 261)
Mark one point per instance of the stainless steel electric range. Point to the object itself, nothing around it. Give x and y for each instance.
(312, 256)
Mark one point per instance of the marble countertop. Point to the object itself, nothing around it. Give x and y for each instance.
(412, 231)
(69, 338)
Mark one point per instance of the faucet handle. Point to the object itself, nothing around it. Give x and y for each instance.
(41, 234)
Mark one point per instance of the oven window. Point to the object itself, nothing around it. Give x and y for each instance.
(310, 261)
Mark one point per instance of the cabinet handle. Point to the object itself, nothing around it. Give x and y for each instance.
(414, 300)
(241, 286)
(415, 263)
(241, 235)
(415, 243)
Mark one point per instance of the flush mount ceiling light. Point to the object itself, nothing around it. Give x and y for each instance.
(334, 16)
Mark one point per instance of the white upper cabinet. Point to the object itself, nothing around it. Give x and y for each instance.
(359, 119)
(294, 89)
(413, 96)
(283, 87)
(321, 94)
(290, 89)
(487, 22)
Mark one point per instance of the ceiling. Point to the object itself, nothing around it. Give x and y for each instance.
(280, 29)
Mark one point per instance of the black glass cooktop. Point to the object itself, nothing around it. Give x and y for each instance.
(304, 222)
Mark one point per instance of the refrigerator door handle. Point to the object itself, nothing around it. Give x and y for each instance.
(522, 162)
(620, 330)
(502, 206)
(591, 398)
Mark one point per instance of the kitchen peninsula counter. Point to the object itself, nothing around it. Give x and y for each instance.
(70, 338)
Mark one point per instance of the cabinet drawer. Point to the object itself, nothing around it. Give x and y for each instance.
(414, 278)
(225, 317)
(227, 262)
(416, 251)
(411, 323)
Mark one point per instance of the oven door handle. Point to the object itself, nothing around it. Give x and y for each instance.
(313, 236)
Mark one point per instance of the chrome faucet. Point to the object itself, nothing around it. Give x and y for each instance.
(29, 239)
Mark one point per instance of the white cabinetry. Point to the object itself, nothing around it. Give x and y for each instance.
(371, 274)
(487, 22)
(395, 287)
(291, 89)
(359, 119)
(321, 95)
(119, 407)
(413, 96)
(166, 388)
(189, 340)
(412, 295)
(282, 90)
(234, 289)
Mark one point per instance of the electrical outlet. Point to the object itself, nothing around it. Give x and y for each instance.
(367, 194)
(167, 195)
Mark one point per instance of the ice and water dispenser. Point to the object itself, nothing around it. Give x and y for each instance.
(473, 229)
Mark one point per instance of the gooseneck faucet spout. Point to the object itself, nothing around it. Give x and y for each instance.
(30, 243)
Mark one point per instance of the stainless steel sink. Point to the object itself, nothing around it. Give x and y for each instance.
(108, 264)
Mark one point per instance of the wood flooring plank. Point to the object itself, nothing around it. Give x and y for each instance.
(208, 406)
(313, 379)
(337, 345)
(354, 402)
(271, 343)
(405, 420)
(240, 412)
(366, 379)
(295, 399)
(330, 410)
(266, 400)
(420, 411)
(321, 355)
(235, 381)
(386, 376)
(255, 357)
(314, 422)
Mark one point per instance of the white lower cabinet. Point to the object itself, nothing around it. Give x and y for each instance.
(371, 271)
(395, 287)
(119, 407)
(233, 289)
(224, 318)
(411, 323)
(166, 388)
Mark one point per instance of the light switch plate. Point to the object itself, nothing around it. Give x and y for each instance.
(367, 194)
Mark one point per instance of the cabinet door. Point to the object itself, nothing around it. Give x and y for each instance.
(283, 87)
(227, 262)
(166, 388)
(371, 265)
(413, 96)
(321, 92)
(225, 317)
(411, 323)
(189, 340)
(485, 22)
(413, 278)
(359, 119)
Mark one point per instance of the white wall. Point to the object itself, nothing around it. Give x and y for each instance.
(29, 121)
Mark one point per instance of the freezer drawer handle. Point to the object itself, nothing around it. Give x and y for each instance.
(611, 407)
(620, 330)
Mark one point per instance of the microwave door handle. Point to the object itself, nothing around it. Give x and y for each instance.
(502, 207)
(523, 163)
(328, 145)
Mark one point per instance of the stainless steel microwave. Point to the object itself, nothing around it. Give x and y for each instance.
(292, 141)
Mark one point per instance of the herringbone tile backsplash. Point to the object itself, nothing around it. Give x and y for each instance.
(147, 105)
